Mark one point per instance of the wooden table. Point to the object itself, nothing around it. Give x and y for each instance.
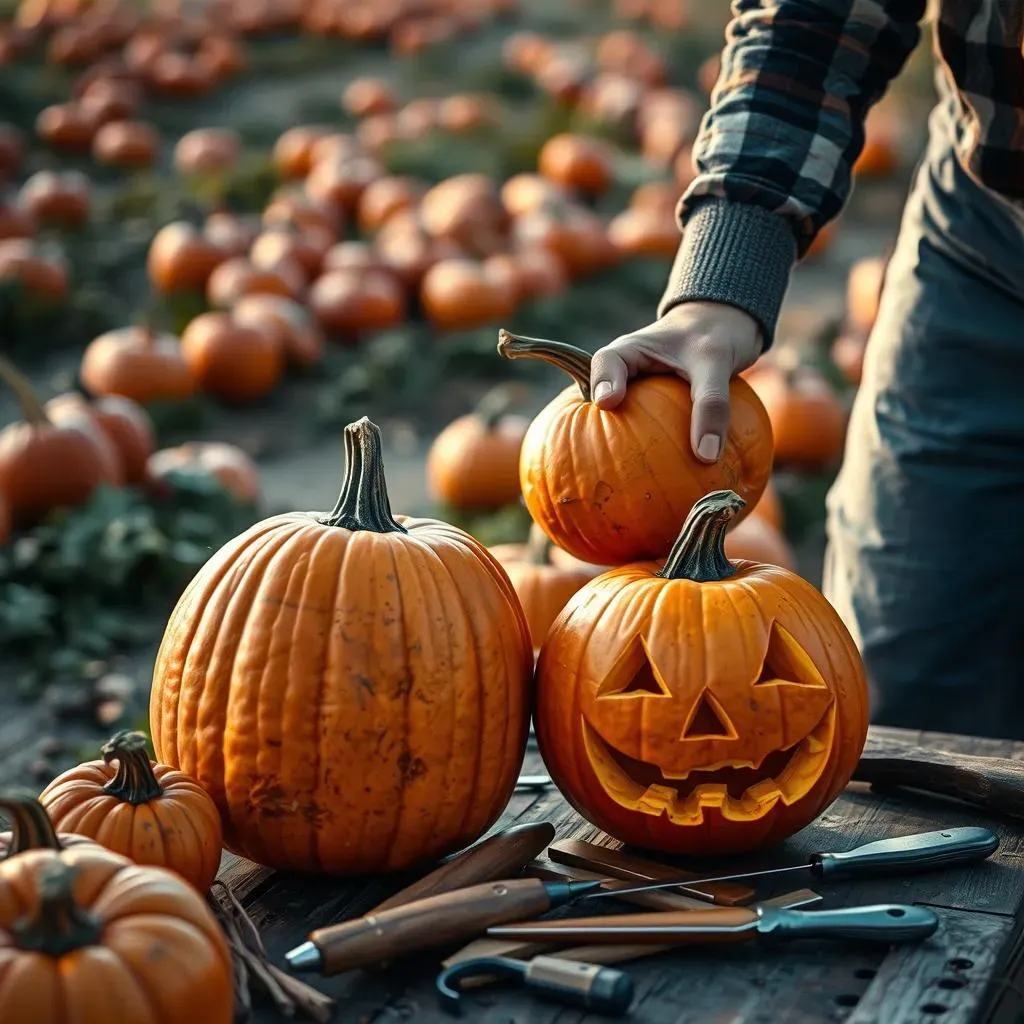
(970, 971)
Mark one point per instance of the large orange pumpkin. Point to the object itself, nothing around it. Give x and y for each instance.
(544, 588)
(85, 934)
(150, 813)
(705, 707)
(612, 486)
(341, 729)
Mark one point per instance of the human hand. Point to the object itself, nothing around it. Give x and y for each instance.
(704, 342)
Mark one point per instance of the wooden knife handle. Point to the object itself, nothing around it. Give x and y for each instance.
(502, 855)
(992, 783)
(631, 868)
(429, 923)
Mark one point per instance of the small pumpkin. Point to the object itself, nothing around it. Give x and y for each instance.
(301, 339)
(808, 420)
(111, 99)
(14, 221)
(126, 144)
(339, 182)
(230, 360)
(474, 462)
(12, 151)
(458, 294)
(31, 828)
(365, 96)
(408, 250)
(351, 303)
(83, 927)
(467, 210)
(234, 470)
(181, 259)
(293, 151)
(287, 245)
(864, 292)
(461, 114)
(880, 155)
(757, 540)
(576, 235)
(287, 209)
(207, 151)
(612, 486)
(541, 273)
(645, 231)
(524, 193)
(238, 276)
(384, 197)
(580, 162)
(232, 234)
(729, 750)
(67, 126)
(6, 524)
(452, 764)
(543, 587)
(138, 363)
(46, 465)
(148, 812)
(63, 198)
(41, 269)
(626, 51)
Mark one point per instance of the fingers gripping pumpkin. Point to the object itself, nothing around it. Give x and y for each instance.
(708, 707)
(613, 486)
(352, 688)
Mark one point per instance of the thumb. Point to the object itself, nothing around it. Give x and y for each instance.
(709, 424)
(609, 374)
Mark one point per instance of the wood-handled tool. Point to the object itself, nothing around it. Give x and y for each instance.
(588, 986)
(429, 923)
(630, 867)
(994, 784)
(924, 851)
(886, 923)
(502, 855)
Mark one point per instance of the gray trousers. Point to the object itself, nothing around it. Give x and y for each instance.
(926, 520)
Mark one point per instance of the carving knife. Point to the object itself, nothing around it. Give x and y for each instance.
(924, 851)
(888, 923)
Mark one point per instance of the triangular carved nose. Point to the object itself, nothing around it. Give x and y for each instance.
(708, 721)
(634, 671)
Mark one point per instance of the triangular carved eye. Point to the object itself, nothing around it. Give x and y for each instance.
(708, 721)
(634, 672)
(785, 661)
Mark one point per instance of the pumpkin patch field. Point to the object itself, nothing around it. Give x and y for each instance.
(232, 230)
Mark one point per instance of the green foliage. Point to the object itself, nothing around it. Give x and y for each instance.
(90, 581)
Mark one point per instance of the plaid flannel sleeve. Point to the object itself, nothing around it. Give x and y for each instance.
(776, 149)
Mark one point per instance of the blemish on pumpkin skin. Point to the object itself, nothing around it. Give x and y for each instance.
(603, 492)
(411, 767)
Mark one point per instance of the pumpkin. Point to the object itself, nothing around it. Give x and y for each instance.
(232, 234)
(458, 294)
(462, 114)
(286, 245)
(110, 99)
(662, 196)
(351, 303)
(354, 256)
(238, 276)
(335, 146)
(383, 197)
(14, 221)
(704, 707)
(31, 828)
(299, 335)
(40, 269)
(182, 76)
(467, 210)
(580, 162)
(338, 182)
(757, 540)
(574, 234)
(231, 467)
(378, 131)
(708, 72)
(864, 292)
(6, 526)
(524, 193)
(880, 156)
(397, 743)
(608, 485)
(85, 932)
(612, 98)
(645, 231)
(12, 151)
(292, 153)
(418, 118)
(405, 247)
(286, 209)
(808, 420)
(57, 197)
(138, 363)
(543, 587)
(847, 353)
(624, 50)
(207, 151)
(365, 96)
(526, 52)
(541, 273)
(823, 241)
(150, 813)
(181, 259)
(474, 462)
(46, 465)
(769, 507)
(232, 361)
(126, 144)
(66, 126)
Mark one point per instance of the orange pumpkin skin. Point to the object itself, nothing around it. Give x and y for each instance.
(150, 813)
(6, 527)
(228, 464)
(543, 587)
(397, 743)
(714, 710)
(769, 507)
(31, 827)
(612, 486)
(137, 363)
(99, 937)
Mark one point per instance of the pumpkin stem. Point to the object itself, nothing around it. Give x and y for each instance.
(364, 502)
(493, 407)
(134, 782)
(538, 547)
(574, 361)
(59, 925)
(31, 827)
(699, 552)
(32, 411)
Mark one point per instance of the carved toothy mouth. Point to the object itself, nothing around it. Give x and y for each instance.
(739, 790)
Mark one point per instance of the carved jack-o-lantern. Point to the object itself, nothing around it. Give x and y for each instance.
(708, 707)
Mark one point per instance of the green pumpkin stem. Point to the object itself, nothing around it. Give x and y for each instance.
(699, 551)
(364, 502)
(31, 828)
(572, 360)
(32, 411)
(59, 925)
(538, 547)
(134, 783)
